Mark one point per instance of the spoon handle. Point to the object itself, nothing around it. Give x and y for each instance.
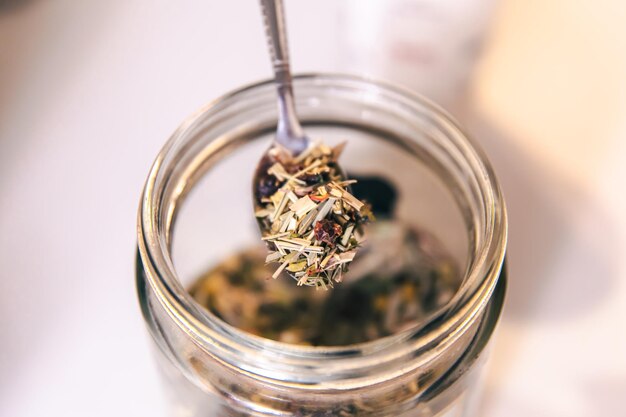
(276, 32)
(290, 133)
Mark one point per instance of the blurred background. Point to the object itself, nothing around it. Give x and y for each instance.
(89, 92)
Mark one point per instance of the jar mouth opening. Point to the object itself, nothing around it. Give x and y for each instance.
(238, 346)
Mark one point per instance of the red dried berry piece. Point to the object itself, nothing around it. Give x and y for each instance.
(327, 231)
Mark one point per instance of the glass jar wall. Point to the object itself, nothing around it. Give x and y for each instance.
(196, 212)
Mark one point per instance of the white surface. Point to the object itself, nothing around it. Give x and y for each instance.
(90, 90)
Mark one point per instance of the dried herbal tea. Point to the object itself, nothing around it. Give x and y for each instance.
(310, 220)
(402, 278)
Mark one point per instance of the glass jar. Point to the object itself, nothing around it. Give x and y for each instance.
(196, 209)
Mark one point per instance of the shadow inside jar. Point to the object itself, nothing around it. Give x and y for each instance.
(562, 249)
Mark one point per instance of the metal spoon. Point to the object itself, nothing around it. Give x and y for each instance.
(289, 133)
(290, 139)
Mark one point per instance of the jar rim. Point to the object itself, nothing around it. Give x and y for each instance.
(235, 348)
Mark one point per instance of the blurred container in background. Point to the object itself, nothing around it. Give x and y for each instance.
(429, 46)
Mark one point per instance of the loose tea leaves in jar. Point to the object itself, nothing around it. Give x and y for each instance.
(400, 280)
(309, 219)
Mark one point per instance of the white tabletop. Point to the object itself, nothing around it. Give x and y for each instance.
(89, 91)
